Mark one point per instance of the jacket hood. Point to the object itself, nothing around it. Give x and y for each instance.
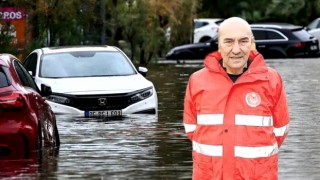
(258, 64)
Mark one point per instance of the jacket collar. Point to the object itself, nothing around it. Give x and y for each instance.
(258, 64)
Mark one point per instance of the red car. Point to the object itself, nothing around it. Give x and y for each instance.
(27, 123)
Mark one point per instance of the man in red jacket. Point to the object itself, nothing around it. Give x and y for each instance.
(235, 110)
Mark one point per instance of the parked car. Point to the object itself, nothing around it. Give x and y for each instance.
(193, 51)
(27, 122)
(282, 40)
(92, 81)
(205, 29)
(314, 28)
(273, 40)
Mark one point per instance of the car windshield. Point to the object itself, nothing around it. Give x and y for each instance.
(85, 64)
(4, 81)
(199, 24)
(313, 24)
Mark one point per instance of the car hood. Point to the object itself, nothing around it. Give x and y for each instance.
(96, 85)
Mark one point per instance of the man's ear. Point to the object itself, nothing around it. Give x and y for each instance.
(253, 44)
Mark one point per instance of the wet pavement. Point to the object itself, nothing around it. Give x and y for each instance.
(155, 146)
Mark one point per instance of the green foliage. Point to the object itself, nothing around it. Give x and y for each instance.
(285, 10)
(182, 30)
(7, 40)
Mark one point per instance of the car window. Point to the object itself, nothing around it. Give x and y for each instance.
(85, 64)
(302, 34)
(199, 24)
(4, 77)
(24, 76)
(259, 34)
(272, 35)
(31, 63)
(219, 22)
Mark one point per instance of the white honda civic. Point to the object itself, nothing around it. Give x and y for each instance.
(92, 81)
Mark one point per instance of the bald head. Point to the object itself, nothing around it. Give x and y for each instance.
(234, 24)
(235, 41)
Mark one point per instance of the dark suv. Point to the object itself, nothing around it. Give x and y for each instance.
(273, 40)
(279, 40)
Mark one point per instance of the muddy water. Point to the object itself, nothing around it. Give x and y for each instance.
(155, 146)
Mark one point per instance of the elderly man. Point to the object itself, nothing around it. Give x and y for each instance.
(235, 110)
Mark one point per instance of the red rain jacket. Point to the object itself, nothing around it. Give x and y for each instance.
(237, 128)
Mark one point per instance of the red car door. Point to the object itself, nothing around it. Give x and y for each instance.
(37, 104)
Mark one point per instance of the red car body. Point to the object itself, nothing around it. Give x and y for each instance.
(27, 123)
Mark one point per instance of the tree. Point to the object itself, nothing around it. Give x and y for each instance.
(56, 22)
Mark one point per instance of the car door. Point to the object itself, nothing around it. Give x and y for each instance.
(31, 93)
(260, 37)
(271, 43)
(37, 102)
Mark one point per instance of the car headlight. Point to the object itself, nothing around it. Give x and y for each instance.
(58, 99)
(141, 95)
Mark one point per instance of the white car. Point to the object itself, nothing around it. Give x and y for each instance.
(205, 29)
(314, 28)
(92, 81)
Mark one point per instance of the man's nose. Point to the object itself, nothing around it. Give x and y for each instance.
(236, 48)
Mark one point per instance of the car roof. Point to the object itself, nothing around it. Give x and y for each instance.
(59, 49)
(208, 19)
(276, 26)
(5, 59)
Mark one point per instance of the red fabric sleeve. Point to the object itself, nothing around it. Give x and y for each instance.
(189, 113)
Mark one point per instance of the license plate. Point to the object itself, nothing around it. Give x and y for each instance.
(313, 47)
(103, 114)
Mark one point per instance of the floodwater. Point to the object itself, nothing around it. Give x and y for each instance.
(155, 146)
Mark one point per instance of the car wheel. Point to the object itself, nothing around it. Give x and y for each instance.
(276, 54)
(205, 39)
(57, 136)
(39, 142)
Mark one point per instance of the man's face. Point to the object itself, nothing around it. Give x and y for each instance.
(234, 46)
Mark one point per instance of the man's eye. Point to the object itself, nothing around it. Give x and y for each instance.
(244, 42)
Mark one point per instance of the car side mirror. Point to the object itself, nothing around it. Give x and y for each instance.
(45, 90)
(143, 71)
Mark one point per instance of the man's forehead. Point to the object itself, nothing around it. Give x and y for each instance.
(235, 36)
(235, 28)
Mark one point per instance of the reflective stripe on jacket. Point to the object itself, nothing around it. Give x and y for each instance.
(237, 128)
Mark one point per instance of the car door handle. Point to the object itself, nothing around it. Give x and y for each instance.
(261, 46)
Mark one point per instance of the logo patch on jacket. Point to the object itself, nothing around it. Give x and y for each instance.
(253, 99)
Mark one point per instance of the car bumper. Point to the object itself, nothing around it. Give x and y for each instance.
(145, 106)
(306, 55)
(17, 139)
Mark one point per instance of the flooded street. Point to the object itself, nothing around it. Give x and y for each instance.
(154, 147)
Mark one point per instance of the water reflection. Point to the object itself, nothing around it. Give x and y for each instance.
(37, 165)
(155, 147)
(137, 147)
